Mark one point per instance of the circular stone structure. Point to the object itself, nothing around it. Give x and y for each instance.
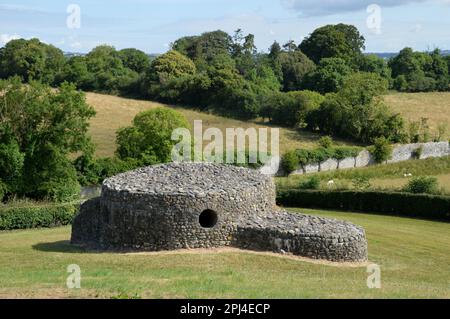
(199, 205)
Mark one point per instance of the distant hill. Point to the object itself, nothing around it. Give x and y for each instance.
(388, 55)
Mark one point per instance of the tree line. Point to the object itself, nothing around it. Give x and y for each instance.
(316, 85)
(325, 84)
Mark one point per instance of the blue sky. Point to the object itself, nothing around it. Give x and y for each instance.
(151, 25)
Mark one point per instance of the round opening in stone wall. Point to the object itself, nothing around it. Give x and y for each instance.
(208, 218)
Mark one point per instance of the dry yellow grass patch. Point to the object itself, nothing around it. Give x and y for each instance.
(435, 106)
(115, 112)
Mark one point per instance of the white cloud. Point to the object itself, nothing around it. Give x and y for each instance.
(327, 7)
(5, 38)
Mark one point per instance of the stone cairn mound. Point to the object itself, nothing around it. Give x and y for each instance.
(198, 205)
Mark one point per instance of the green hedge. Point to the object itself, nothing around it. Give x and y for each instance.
(391, 203)
(37, 216)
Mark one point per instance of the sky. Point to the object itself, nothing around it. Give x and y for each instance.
(152, 25)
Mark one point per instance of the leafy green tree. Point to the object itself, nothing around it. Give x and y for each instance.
(108, 71)
(148, 140)
(274, 51)
(76, 71)
(328, 76)
(171, 64)
(294, 66)
(358, 112)
(419, 71)
(439, 70)
(334, 41)
(291, 108)
(205, 46)
(164, 70)
(39, 128)
(374, 64)
(135, 60)
(31, 60)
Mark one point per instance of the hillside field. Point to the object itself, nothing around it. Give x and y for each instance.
(434, 106)
(412, 255)
(115, 112)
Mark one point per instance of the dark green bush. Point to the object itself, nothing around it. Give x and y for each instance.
(417, 153)
(37, 216)
(326, 142)
(289, 162)
(391, 203)
(381, 150)
(422, 185)
(312, 182)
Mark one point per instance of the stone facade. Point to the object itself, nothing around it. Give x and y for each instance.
(174, 206)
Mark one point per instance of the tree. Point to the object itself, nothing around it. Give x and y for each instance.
(204, 47)
(328, 76)
(439, 70)
(274, 51)
(373, 64)
(290, 108)
(294, 66)
(135, 60)
(108, 71)
(164, 70)
(419, 71)
(39, 128)
(171, 64)
(148, 140)
(357, 111)
(290, 46)
(31, 60)
(76, 71)
(334, 41)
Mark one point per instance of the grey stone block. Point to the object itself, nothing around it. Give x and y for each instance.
(329, 165)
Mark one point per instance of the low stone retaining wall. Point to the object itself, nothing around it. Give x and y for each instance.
(400, 153)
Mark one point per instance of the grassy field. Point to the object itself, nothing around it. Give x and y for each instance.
(115, 112)
(435, 106)
(390, 176)
(413, 256)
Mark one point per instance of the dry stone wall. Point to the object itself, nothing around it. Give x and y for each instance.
(400, 153)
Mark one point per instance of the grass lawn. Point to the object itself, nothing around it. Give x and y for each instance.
(435, 106)
(115, 112)
(414, 257)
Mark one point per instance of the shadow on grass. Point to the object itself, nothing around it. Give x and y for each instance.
(62, 246)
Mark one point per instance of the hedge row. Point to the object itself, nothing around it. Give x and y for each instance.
(37, 216)
(391, 203)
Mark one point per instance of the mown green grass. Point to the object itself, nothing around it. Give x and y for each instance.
(413, 256)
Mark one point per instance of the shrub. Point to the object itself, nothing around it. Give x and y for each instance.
(37, 216)
(3, 190)
(381, 150)
(149, 139)
(289, 162)
(417, 153)
(391, 203)
(361, 183)
(326, 142)
(422, 185)
(312, 182)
